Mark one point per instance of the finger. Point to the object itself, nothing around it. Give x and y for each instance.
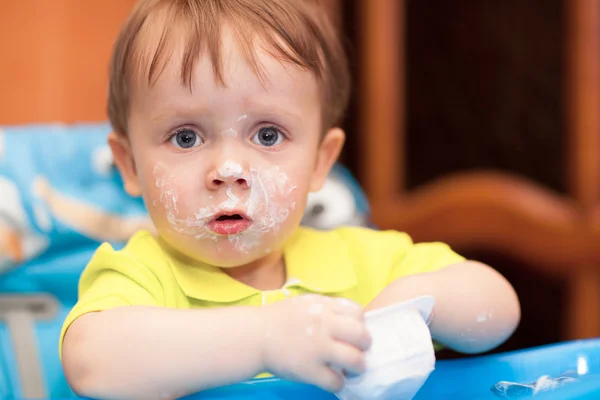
(346, 358)
(352, 332)
(328, 379)
(348, 307)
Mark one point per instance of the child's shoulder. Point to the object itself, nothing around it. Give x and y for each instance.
(143, 247)
(356, 239)
(141, 260)
(142, 240)
(355, 234)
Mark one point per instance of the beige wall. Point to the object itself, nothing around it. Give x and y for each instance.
(54, 58)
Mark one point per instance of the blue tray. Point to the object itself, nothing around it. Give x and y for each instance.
(464, 379)
(471, 378)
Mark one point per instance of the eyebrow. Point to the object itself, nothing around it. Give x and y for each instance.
(182, 113)
(250, 107)
(270, 109)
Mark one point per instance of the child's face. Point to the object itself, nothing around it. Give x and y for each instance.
(225, 172)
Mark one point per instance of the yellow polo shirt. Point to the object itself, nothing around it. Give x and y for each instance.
(354, 263)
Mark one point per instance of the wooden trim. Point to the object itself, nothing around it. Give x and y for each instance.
(583, 304)
(583, 100)
(381, 93)
(583, 124)
(494, 211)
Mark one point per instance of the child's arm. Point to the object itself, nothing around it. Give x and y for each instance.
(476, 309)
(160, 353)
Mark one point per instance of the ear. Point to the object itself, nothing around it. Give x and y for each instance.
(121, 151)
(327, 154)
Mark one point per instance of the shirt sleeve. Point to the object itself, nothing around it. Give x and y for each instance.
(422, 257)
(113, 279)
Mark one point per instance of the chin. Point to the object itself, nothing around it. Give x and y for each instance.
(233, 250)
(231, 258)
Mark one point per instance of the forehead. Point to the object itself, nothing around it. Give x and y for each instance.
(265, 76)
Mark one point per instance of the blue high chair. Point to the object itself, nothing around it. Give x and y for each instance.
(50, 174)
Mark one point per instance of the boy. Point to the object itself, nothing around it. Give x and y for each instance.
(224, 115)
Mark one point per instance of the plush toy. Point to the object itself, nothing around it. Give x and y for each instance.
(60, 193)
(18, 241)
(341, 202)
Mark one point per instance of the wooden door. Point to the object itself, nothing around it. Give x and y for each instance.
(560, 234)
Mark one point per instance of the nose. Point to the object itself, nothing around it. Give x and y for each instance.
(227, 177)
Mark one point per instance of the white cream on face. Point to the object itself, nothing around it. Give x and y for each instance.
(230, 132)
(168, 196)
(231, 169)
(265, 203)
(232, 200)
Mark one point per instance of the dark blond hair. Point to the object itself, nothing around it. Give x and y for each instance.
(294, 31)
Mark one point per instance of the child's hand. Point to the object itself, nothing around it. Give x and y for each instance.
(314, 338)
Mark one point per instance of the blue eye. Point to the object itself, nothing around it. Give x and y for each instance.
(268, 136)
(186, 138)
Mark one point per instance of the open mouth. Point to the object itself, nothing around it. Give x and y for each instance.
(229, 224)
(233, 217)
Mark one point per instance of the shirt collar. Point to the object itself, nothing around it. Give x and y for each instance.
(316, 261)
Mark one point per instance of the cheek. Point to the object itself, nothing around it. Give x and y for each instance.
(296, 193)
(171, 189)
(291, 195)
(274, 197)
(301, 178)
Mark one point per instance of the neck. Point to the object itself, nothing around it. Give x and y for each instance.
(267, 273)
